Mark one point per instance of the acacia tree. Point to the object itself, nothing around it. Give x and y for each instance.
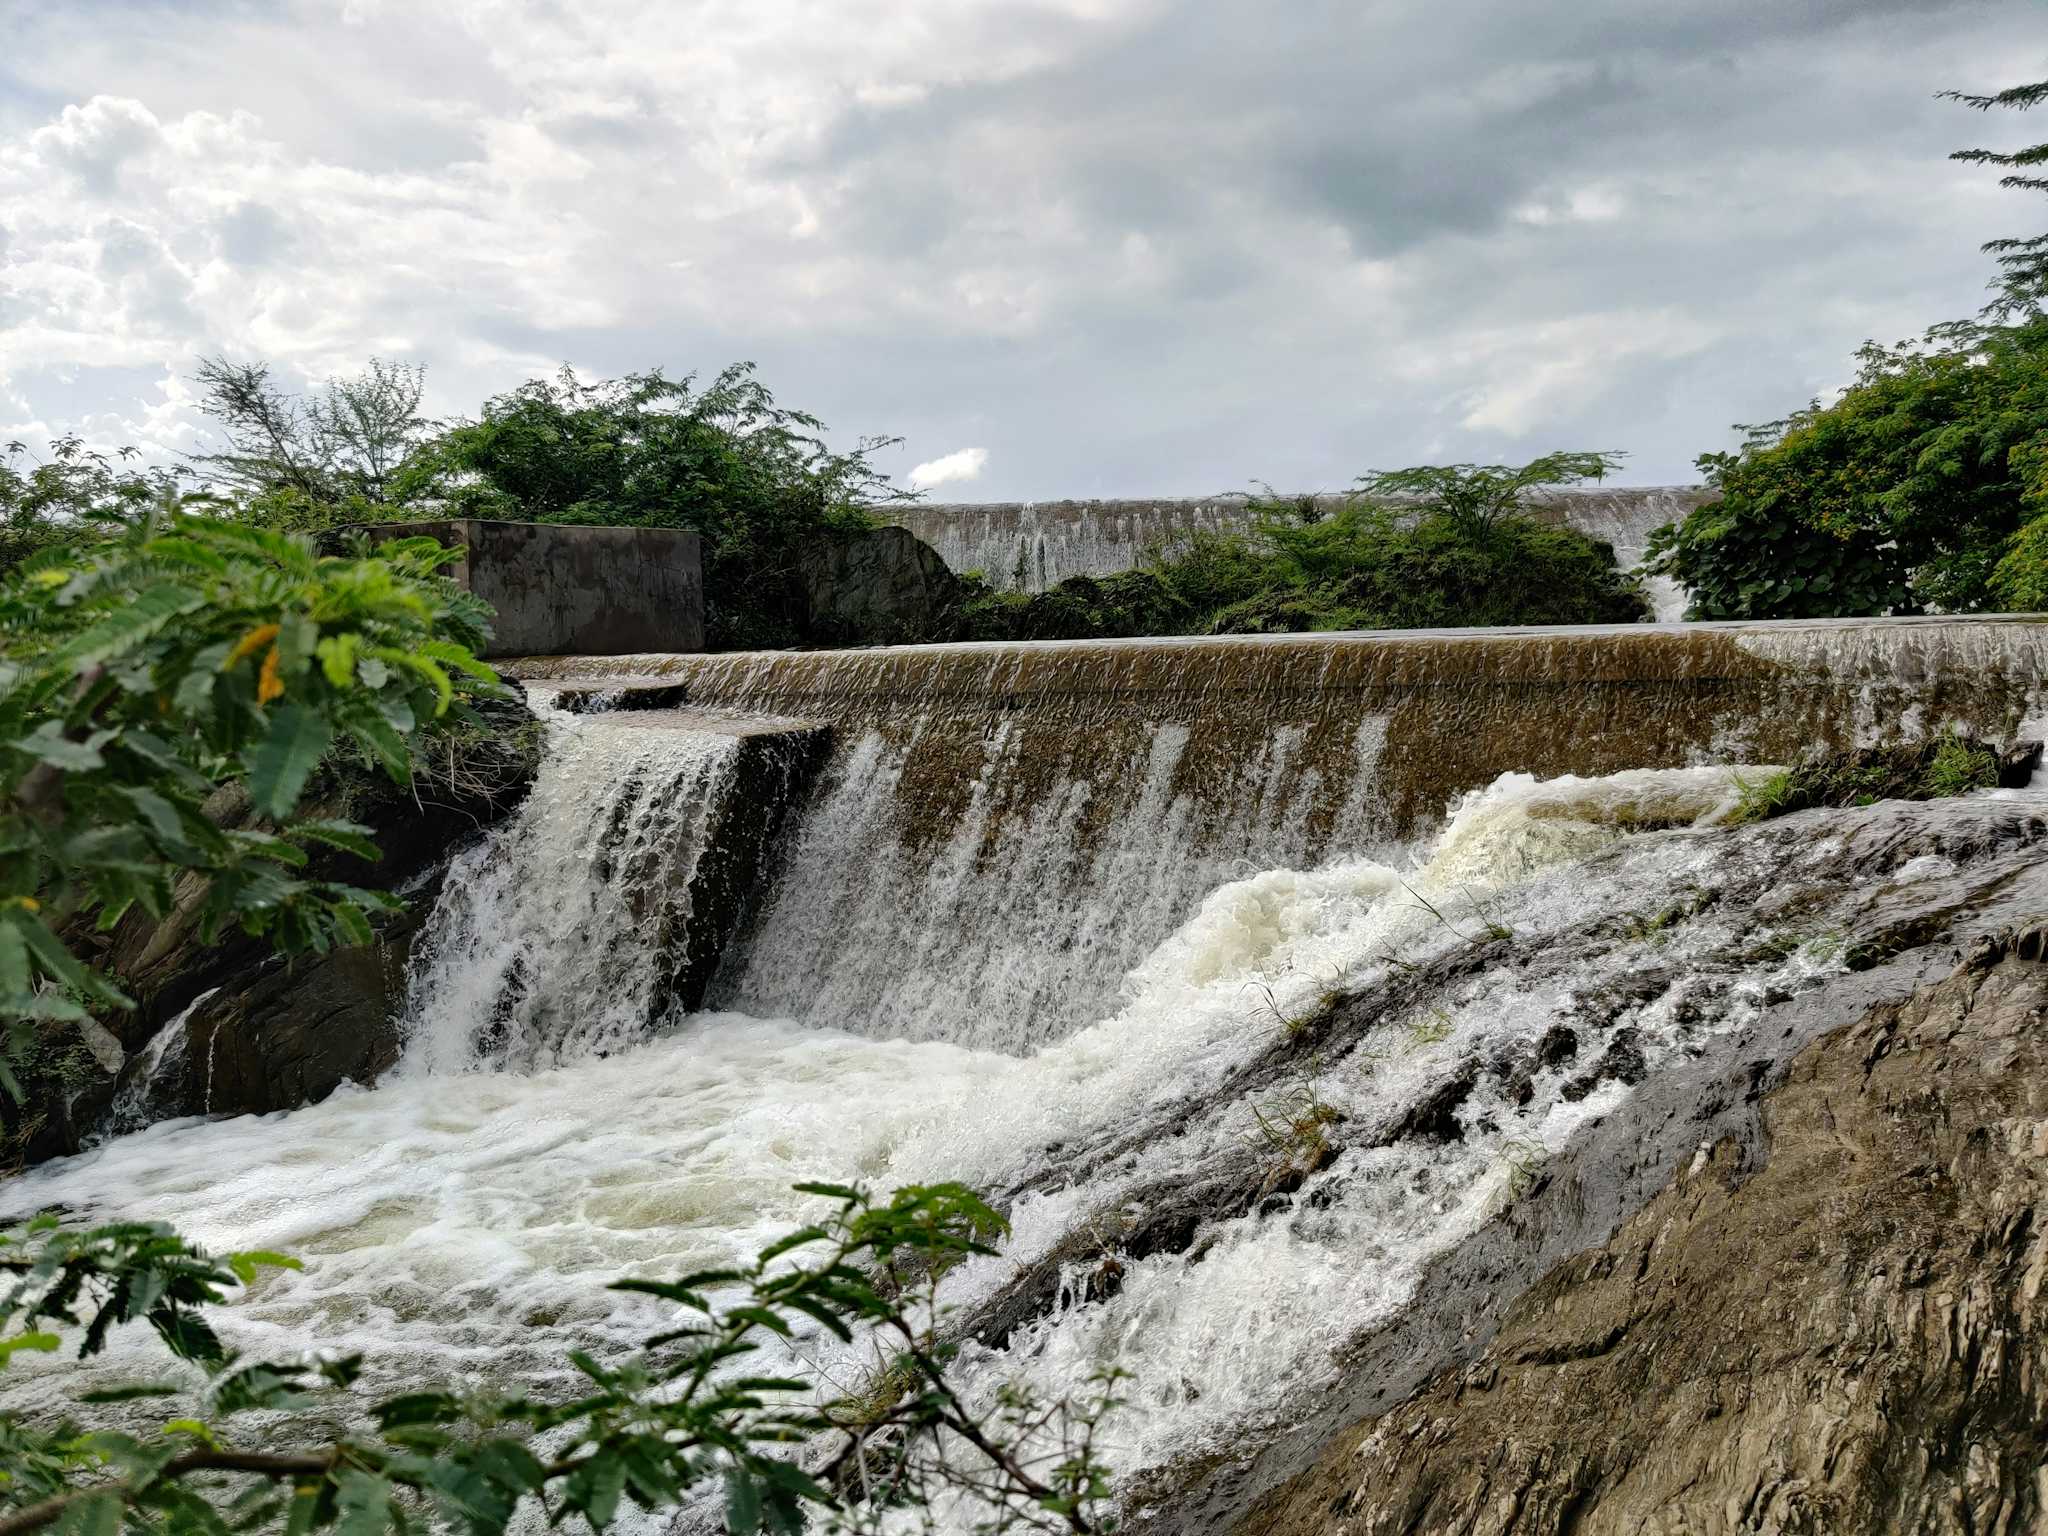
(2022, 284)
(1476, 498)
(317, 458)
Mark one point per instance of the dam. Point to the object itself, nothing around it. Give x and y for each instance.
(1080, 924)
(1029, 546)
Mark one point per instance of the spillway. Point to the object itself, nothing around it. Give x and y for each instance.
(1029, 546)
(1003, 830)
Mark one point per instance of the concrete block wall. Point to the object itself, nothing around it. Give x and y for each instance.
(571, 590)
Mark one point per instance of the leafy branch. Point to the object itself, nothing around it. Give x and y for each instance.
(687, 1413)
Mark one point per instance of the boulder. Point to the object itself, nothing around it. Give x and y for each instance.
(877, 586)
(1842, 1328)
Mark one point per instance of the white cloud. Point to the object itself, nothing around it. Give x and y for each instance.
(1124, 246)
(960, 465)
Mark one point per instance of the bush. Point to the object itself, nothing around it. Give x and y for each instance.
(1359, 566)
(1902, 496)
(1079, 608)
(76, 493)
(754, 479)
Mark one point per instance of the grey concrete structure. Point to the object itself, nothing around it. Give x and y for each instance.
(562, 590)
(1029, 546)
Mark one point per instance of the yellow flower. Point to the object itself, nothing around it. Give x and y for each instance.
(250, 644)
(268, 684)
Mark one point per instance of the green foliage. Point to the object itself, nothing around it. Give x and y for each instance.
(145, 675)
(1461, 551)
(688, 1414)
(1362, 570)
(1922, 487)
(755, 479)
(75, 493)
(1949, 764)
(1474, 498)
(312, 461)
(1904, 494)
(1080, 608)
(1759, 799)
(2022, 283)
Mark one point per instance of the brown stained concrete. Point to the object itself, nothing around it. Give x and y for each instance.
(1441, 712)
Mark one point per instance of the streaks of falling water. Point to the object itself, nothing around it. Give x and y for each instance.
(1017, 925)
(555, 936)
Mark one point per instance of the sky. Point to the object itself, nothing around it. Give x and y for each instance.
(1059, 247)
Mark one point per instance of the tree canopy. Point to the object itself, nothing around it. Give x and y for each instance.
(1920, 488)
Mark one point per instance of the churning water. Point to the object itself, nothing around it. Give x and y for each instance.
(552, 1127)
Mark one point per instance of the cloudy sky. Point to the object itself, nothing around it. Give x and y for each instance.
(1061, 247)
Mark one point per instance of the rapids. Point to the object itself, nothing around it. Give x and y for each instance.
(553, 1125)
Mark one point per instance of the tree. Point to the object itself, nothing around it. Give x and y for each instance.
(1917, 488)
(76, 492)
(1475, 497)
(2022, 284)
(319, 458)
(755, 479)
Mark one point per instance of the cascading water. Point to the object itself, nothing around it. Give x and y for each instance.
(1081, 977)
(1017, 926)
(554, 940)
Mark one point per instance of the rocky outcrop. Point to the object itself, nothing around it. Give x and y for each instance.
(1837, 1328)
(877, 586)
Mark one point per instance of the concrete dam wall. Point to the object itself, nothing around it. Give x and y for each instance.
(1029, 546)
(1055, 809)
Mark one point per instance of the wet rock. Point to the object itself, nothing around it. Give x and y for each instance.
(1434, 1116)
(1847, 1333)
(1622, 1061)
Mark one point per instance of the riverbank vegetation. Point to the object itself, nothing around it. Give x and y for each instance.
(1426, 547)
(1922, 488)
(754, 479)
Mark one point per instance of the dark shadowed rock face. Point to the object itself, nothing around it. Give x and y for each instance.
(881, 586)
(1839, 1329)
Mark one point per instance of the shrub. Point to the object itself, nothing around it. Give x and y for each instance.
(1903, 495)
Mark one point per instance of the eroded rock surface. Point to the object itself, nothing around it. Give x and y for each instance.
(1838, 1329)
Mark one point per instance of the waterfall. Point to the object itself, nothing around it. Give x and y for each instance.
(1099, 929)
(559, 935)
(1003, 831)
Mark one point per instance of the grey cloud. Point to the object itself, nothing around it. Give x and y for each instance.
(1252, 240)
